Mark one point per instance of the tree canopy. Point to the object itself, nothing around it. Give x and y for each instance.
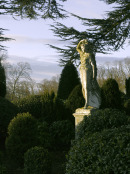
(32, 9)
(108, 34)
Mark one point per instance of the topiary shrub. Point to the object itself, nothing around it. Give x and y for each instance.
(44, 137)
(100, 120)
(105, 152)
(37, 161)
(22, 135)
(127, 107)
(110, 94)
(75, 99)
(62, 132)
(7, 112)
(68, 80)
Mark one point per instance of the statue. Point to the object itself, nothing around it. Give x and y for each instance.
(88, 75)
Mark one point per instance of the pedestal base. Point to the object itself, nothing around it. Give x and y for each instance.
(81, 112)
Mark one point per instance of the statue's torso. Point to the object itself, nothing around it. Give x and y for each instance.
(85, 61)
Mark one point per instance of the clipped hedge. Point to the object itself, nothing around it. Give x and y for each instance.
(22, 135)
(106, 152)
(37, 161)
(62, 132)
(100, 120)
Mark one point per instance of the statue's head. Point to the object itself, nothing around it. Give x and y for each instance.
(86, 46)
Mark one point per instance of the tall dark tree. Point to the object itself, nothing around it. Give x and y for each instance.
(68, 80)
(2, 81)
(108, 34)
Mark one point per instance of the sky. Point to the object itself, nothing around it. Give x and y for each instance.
(32, 36)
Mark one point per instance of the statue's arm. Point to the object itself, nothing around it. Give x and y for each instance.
(84, 41)
(78, 48)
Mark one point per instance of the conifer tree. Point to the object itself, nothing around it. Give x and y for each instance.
(2, 81)
(107, 34)
(68, 80)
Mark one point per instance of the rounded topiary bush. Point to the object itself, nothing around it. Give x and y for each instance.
(7, 112)
(37, 161)
(105, 152)
(22, 135)
(75, 99)
(110, 94)
(62, 132)
(100, 120)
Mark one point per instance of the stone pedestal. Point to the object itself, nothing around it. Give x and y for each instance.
(81, 112)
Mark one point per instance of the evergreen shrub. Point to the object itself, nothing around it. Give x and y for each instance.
(127, 107)
(44, 137)
(62, 132)
(61, 111)
(110, 94)
(47, 101)
(100, 120)
(37, 161)
(39, 106)
(75, 99)
(7, 112)
(68, 80)
(22, 135)
(31, 104)
(127, 85)
(105, 152)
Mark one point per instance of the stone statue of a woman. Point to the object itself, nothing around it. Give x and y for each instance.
(88, 75)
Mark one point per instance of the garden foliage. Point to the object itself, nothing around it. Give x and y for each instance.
(7, 112)
(100, 120)
(75, 99)
(44, 138)
(105, 152)
(127, 106)
(111, 97)
(68, 80)
(22, 135)
(62, 132)
(101, 145)
(37, 161)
